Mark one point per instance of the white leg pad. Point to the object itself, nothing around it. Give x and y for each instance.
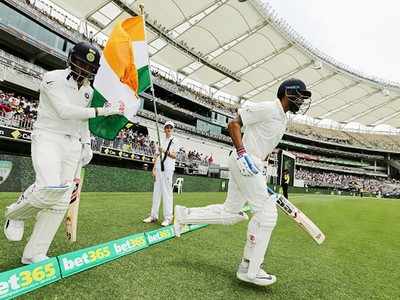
(46, 226)
(212, 214)
(259, 233)
(34, 199)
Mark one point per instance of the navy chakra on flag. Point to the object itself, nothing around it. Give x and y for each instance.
(87, 95)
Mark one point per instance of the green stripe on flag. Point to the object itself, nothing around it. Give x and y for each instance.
(144, 79)
(105, 127)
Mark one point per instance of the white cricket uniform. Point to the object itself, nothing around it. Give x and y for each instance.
(61, 128)
(163, 183)
(59, 132)
(264, 124)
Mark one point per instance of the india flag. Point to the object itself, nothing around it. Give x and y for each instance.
(122, 76)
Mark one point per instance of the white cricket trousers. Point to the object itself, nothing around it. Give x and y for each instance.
(55, 160)
(163, 189)
(242, 190)
(55, 157)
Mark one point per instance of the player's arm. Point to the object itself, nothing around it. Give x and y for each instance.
(66, 111)
(234, 129)
(244, 161)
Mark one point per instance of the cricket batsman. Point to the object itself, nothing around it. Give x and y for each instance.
(264, 124)
(60, 145)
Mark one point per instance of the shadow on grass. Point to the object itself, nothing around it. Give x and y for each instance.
(225, 274)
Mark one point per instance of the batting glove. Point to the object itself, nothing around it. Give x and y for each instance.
(245, 163)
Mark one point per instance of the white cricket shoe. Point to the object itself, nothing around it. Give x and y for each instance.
(33, 260)
(150, 219)
(262, 278)
(166, 222)
(14, 230)
(180, 212)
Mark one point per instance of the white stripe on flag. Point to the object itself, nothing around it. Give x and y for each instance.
(112, 89)
(140, 54)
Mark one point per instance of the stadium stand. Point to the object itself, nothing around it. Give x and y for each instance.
(325, 157)
(364, 140)
(318, 178)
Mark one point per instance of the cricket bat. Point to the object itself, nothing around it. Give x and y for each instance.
(298, 216)
(71, 221)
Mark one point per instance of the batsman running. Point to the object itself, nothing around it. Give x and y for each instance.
(264, 124)
(60, 145)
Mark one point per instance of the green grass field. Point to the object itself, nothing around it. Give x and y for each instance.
(359, 260)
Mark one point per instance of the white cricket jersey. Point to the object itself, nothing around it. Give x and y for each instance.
(264, 125)
(63, 108)
(169, 163)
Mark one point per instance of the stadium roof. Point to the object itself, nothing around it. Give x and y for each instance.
(244, 49)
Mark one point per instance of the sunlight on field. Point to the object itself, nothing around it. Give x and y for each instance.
(357, 261)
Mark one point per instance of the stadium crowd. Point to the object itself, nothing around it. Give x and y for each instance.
(326, 165)
(17, 110)
(365, 140)
(319, 178)
(131, 140)
(322, 135)
(195, 156)
(21, 112)
(135, 141)
(64, 23)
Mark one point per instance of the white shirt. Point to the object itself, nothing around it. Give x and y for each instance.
(264, 125)
(63, 108)
(169, 163)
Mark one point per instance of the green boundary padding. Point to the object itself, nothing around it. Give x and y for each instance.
(80, 260)
(24, 279)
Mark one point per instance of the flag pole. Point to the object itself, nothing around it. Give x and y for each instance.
(141, 7)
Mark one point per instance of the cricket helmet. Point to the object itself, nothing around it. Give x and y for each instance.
(84, 61)
(298, 95)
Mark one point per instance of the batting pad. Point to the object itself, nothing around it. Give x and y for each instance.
(212, 214)
(35, 199)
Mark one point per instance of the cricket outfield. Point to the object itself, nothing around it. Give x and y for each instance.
(358, 260)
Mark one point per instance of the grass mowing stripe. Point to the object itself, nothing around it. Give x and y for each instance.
(357, 261)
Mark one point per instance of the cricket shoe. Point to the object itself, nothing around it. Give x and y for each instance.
(166, 222)
(150, 220)
(262, 278)
(180, 213)
(14, 230)
(33, 260)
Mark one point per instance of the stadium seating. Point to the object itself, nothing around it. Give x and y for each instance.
(318, 178)
(20, 112)
(363, 140)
